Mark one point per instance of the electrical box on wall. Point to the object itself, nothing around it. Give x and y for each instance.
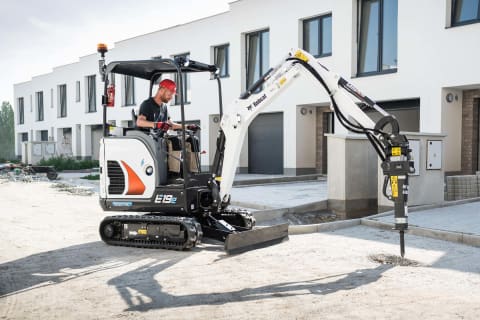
(434, 155)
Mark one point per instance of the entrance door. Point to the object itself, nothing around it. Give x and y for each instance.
(265, 144)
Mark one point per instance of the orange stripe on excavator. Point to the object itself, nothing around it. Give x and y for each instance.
(135, 185)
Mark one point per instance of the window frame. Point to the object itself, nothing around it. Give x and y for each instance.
(466, 22)
(94, 88)
(320, 19)
(39, 94)
(62, 112)
(227, 59)
(21, 110)
(260, 62)
(379, 70)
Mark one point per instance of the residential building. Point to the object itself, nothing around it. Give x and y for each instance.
(417, 59)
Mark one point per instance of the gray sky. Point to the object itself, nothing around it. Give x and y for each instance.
(37, 35)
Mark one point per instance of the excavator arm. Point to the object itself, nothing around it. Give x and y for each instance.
(391, 146)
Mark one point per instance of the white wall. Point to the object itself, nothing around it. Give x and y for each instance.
(431, 57)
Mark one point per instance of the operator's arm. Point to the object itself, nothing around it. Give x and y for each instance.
(142, 122)
(143, 114)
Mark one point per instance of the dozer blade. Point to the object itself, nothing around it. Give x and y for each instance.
(256, 238)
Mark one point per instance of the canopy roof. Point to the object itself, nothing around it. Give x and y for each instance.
(146, 69)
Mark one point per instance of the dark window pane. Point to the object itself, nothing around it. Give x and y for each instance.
(62, 91)
(24, 136)
(311, 37)
(44, 135)
(221, 59)
(258, 55)
(39, 97)
(389, 52)
(253, 59)
(91, 87)
(327, 35)
(77, 91)
(466, 10)
(265, 52)
(369, 30)
(21, 111)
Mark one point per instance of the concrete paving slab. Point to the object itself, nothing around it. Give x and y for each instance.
(283, 195)
(463, 218)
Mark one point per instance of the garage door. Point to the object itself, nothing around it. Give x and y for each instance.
(265, 144)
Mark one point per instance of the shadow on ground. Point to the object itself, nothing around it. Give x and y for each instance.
(58, 266)
(142, 280)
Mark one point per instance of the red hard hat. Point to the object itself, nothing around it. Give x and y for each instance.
(169, 84)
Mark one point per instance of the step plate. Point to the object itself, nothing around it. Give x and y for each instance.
(257, 238)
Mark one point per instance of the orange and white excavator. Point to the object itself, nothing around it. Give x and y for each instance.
(158, 174)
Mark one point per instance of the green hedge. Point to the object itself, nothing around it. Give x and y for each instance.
(63, 163)
(91, 177)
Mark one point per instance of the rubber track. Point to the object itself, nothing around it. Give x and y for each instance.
(190, 225)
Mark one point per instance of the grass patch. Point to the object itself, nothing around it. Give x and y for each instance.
(91, 177)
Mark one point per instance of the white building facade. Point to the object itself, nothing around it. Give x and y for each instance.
(417, 59)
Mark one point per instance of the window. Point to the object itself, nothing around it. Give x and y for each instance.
(24, 136)
(465, 12)
(129, 90)
(51, 98)
(91, 94)
(21, 111)
(257, 55)
(39, 102)
(220, 55)
(378, 37)
(62, 100)
(44, 135)
(317, 36)
(77, 91)
(185, 82)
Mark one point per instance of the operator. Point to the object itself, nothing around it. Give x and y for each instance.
(154, 112)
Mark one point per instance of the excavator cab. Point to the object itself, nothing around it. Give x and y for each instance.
(159, 176)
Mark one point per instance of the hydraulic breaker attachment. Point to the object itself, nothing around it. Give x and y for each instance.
(396, 168)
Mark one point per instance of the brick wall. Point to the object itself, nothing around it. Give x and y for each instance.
(470, 116)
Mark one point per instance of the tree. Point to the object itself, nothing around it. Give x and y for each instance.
(7, 131)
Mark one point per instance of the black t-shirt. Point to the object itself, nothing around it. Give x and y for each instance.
(154, 112)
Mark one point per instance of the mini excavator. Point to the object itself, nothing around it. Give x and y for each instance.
(180, 207)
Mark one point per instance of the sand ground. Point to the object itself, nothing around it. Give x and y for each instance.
(54, 266)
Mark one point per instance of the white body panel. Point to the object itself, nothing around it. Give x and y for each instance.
(136, 155)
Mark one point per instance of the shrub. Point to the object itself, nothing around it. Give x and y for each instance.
(66, 163)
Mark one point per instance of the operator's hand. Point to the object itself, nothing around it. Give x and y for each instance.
(164, 126)
(193, 127)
